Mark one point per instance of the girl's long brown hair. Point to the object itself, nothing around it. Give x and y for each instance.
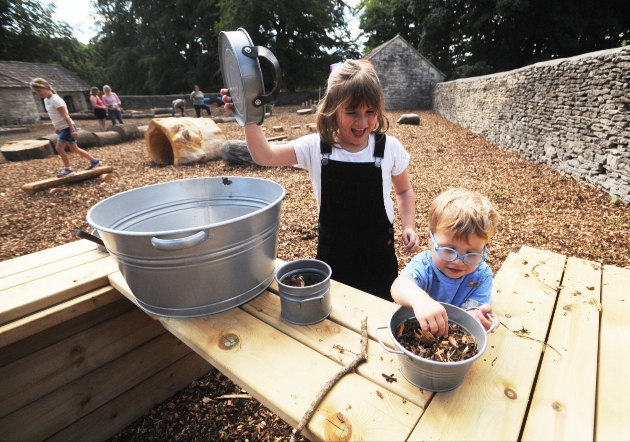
(350, 85)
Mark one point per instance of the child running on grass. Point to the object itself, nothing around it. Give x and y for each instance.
(64, 126)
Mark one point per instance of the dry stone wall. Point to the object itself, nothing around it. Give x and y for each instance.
(572, 113)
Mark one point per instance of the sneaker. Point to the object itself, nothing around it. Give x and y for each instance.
(67, 171)
(94, 163)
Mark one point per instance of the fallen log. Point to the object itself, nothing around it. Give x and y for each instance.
(24, 150)
(86, 139)
(82, 175)
(107, 138)
(127, 131)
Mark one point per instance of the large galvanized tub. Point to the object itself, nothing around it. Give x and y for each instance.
(193, 247)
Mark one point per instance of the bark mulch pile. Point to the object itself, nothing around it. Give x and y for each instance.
(539, 207)
(459, 345)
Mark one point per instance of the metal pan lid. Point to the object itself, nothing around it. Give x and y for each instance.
(242, 75)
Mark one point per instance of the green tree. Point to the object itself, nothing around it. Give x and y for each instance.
(29, 34)
(306, 36)
(474, 37)
(158, 46)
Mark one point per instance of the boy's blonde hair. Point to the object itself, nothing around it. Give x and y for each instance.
(40, 83)
(350, 85)
(463, 212)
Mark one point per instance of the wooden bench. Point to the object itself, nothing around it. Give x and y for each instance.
(77, 359)
(572, 388)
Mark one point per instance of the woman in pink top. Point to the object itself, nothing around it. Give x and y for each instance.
(99, 108)
(112, 102)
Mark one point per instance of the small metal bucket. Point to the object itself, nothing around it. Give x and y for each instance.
(309, 304)
(434, 375)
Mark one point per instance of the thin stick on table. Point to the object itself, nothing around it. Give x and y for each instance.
(347, 369)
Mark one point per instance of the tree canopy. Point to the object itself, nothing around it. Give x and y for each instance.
(29, 33)
(167, 46)
(474, 37)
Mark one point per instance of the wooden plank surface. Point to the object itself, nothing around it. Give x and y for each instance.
(57, 333)
(44, 257)
(45, 270)
(563, 405)
(613, 388)
(286, 376)
(340, 345)
(60, 313)
(491, 402)
(36, 375)
(117, 414)
(55, 411)
(41, 293)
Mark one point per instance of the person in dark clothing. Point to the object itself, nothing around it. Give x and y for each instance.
(353, 167)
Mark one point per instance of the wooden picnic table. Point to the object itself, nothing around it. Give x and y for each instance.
(571, 388)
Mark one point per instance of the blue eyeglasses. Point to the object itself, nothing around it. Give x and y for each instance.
(450, 255)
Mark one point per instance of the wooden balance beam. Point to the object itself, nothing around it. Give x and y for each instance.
(82, 175)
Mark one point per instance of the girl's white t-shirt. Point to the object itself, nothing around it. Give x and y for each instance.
(395, 161)
(52, 104)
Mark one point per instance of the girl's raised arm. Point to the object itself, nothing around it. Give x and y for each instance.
(262, 152)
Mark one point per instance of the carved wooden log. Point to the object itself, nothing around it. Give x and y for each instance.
(127, 131)
(26, 150)
(86, 139)
(183, 140)
(107, 138)
(143, 129)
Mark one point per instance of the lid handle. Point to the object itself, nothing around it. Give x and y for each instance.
(261, 51)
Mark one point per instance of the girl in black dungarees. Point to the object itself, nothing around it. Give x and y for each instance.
(353, 166)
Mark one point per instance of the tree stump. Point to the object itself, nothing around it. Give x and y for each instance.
(183, 140)
(107, 138)
(24, 150)
(127, 131)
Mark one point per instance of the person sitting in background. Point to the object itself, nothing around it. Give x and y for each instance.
(178, 104)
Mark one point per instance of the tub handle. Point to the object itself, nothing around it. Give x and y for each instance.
(389, 350)
(494, 324)
(179, 243)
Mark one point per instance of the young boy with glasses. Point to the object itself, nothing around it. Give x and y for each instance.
(453, 270)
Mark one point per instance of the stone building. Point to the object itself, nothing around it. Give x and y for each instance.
(20, 105)
(407, 77)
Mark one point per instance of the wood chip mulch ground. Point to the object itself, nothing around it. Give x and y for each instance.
(540, 208)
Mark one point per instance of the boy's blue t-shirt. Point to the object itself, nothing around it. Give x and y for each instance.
(470, 290)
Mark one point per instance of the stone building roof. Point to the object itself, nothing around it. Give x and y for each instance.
(374, 52)
(61, 79)
(9, 81)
